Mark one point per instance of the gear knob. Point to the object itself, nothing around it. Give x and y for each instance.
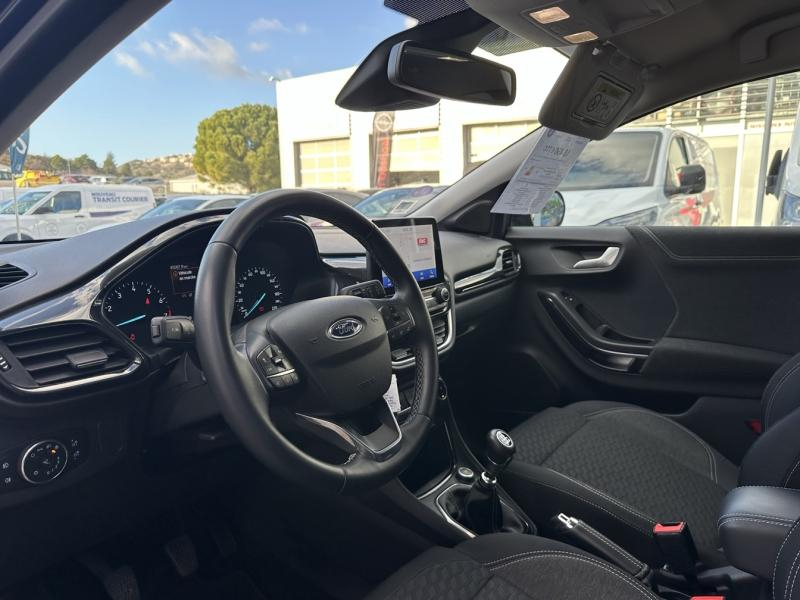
(500, 450)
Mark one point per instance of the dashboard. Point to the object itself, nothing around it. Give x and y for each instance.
(266, 279)
(127, 420)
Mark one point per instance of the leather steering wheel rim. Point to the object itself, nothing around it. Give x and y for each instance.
(242, 394)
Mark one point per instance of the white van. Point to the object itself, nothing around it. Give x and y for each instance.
(58, 211)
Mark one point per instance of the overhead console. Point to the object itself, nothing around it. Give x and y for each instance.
(575, 21)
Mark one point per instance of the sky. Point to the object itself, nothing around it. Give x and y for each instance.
(194, 57)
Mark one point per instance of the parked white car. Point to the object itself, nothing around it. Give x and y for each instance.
(783, 180)
(643, 176)
(58, 211)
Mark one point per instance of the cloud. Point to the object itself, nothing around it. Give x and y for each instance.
(264, 24)
(258, 46)
(410, 22)
(147, 48)
(211, 52)
(277, 75)
(130, 62)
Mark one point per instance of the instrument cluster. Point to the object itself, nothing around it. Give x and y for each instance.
(266, 279)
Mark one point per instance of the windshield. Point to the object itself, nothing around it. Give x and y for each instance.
(24, 202)
(243, 101)
(175, 207)
(624, 159)
(397, 202)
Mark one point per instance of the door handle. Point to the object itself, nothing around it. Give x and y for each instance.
(605, 260)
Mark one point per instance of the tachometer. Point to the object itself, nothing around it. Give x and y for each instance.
(258, 290)
(132, 304)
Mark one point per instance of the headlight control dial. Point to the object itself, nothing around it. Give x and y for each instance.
(43, 461)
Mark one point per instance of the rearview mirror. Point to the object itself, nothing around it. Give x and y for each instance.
(691, 180)
(451, 74)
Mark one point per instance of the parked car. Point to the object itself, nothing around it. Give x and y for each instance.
(783, 180)
(398, 201)
(7, 193)
(349, 197)
(186, 204)
(157, 184)
(102, 179)
(72, 178)
(633, 177)
(60, 211)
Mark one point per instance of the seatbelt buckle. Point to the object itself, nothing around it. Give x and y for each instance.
(677, 546)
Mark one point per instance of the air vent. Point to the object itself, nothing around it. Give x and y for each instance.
(511, 261)
(439, 330)
(11, 274)
(57, 354)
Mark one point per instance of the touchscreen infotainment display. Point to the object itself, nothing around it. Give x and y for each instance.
(417, 242)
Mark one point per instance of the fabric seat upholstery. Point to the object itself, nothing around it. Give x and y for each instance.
(623, 468)
(511, 567)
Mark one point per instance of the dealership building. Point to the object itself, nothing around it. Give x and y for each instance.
(324, 146)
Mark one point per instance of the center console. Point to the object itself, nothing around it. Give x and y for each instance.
(417, 242)
(446, 487)
(449, 490)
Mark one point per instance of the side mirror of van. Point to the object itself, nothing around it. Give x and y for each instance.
(552, 214)
(691, 180)
(771, 186)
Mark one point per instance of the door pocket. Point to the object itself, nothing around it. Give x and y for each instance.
(592, 336)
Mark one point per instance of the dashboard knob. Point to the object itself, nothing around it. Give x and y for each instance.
(43, 461)
(442, 294)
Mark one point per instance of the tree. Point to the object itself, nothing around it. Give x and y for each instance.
(240, 145)
(58, 163)
(125, 170)
(84, 163)
(109, 166)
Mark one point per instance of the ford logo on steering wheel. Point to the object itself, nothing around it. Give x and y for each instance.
(345, 328)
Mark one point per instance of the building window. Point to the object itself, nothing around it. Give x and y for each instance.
(323, 163)
(485, 140)
(415, 157)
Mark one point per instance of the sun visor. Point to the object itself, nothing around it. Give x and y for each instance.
(594, 93)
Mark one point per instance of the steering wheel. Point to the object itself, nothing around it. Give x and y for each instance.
(325, 363)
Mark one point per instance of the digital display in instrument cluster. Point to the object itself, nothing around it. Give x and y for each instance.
(183, 279)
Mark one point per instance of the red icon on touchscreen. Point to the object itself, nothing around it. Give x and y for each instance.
(422, 241)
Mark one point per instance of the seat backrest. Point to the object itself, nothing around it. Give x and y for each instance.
(782, 394)
(774, 459)
(785, 584)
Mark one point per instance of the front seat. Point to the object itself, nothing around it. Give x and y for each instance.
(622, 468)
(512, 567)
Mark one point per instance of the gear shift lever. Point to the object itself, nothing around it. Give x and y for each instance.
(500, 450)
(482, 509)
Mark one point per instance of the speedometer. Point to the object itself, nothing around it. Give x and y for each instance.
(132, 304)
(258, 290)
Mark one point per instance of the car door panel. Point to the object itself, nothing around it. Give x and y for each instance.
(668, 315)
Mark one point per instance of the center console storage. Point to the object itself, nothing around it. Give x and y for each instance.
(753, 523)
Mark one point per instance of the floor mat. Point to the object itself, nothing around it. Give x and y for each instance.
(236, 585)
